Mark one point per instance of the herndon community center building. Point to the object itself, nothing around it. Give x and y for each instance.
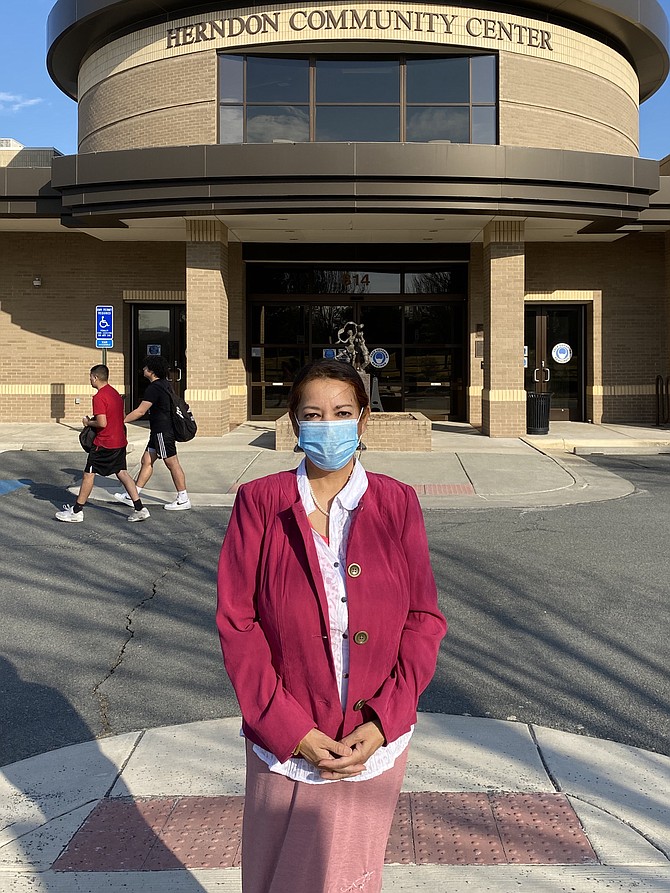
(462, 181)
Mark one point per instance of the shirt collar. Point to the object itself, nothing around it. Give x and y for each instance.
(348, 497)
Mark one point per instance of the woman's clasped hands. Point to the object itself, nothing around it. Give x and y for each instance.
(336, 760)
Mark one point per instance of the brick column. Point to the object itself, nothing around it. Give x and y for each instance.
(503, 395)
(207, 325)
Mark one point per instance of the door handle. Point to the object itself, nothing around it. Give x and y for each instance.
(548, 371)
(178, 371)
(535, 378)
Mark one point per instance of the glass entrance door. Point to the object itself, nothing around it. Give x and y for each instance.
(554, 357)
(158, 330)
(424, 343)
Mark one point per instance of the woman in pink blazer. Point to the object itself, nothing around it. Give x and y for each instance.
(330, 628)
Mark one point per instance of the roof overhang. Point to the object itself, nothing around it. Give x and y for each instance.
(390, 178)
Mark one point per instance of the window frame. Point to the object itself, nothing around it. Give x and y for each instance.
(402, 104)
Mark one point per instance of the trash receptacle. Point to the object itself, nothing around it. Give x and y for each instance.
(537, 413)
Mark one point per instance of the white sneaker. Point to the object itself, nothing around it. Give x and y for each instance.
(142, 515)
(178, 506)
(124, 498)
(68, 514)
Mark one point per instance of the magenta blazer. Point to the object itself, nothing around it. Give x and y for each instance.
(272, 614)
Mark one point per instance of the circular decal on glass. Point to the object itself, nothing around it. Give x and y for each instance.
(379, 357)
(561, 353)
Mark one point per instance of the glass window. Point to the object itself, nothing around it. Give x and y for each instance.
(278, 324)
(365, 124)
(231, 78)
(356, 282)
(484, 124)
(358, 81)
(438, 80)
(273, 281)
(383, 325)
(483, 78)
(277, 80)
(433, 323)
(277, 123)
(265, 99)
(439, 282)
(451, 123)
(327, 320)
(231, 124)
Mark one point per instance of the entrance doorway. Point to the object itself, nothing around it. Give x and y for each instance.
(158, 330)
(424, 342)
(554, 357)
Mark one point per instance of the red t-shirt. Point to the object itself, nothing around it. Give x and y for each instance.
(107, 401)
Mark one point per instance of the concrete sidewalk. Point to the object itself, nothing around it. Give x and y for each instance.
(487, 806)
(464, 469)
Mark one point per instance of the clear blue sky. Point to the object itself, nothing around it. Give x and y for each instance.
(34, 112)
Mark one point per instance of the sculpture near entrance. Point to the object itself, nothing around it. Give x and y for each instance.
(353, 350)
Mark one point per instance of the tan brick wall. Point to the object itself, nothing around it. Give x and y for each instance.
(503, 395)
(167, 103)
(627, 340)
(47, 334)
(547, 105)
(207, 325)
(401, 432)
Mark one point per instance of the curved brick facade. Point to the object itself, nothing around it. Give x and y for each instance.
(558, 88)
(552, 106)
(166, 103)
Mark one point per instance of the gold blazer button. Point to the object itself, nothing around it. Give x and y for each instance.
(359, 704)
(361, 637)
(354, 570)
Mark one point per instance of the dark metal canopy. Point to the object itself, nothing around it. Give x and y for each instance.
(352, 177)
(78, 27)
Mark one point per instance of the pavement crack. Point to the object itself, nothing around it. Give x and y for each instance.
(103, 700)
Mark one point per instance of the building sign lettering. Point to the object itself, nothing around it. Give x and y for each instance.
(391, 20)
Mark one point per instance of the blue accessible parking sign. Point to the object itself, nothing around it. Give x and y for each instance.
(104, 326)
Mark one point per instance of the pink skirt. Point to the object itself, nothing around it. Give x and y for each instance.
(305, 838)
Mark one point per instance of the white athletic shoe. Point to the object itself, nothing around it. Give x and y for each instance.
(68, 514)
(142, 515)
(178, 506)
(124, 498)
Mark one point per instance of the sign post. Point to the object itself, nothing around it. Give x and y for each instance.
(104, 329)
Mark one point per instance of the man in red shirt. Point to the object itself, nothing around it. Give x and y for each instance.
(108, 453)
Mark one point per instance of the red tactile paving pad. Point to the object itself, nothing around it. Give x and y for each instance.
(444, 489)
(202, 832)
(428, 829)
(541, 829)
(157, 835)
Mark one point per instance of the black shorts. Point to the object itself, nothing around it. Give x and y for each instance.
(105, 462)
(162, 444)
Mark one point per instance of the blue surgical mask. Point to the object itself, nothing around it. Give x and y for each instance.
(329, 445)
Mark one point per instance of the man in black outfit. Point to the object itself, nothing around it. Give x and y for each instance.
(162, 445)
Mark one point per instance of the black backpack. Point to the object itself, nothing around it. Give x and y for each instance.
(184, 424)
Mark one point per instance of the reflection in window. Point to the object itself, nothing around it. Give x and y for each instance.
(272, 124)
(364, 80)
(438, 80)
(277, 80)
(266, 99)
(361, 124)
(428, 124)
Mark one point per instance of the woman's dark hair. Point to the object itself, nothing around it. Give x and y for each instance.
(324, 369)
(158, 365)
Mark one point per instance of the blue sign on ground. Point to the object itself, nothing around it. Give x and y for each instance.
(104, 326)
